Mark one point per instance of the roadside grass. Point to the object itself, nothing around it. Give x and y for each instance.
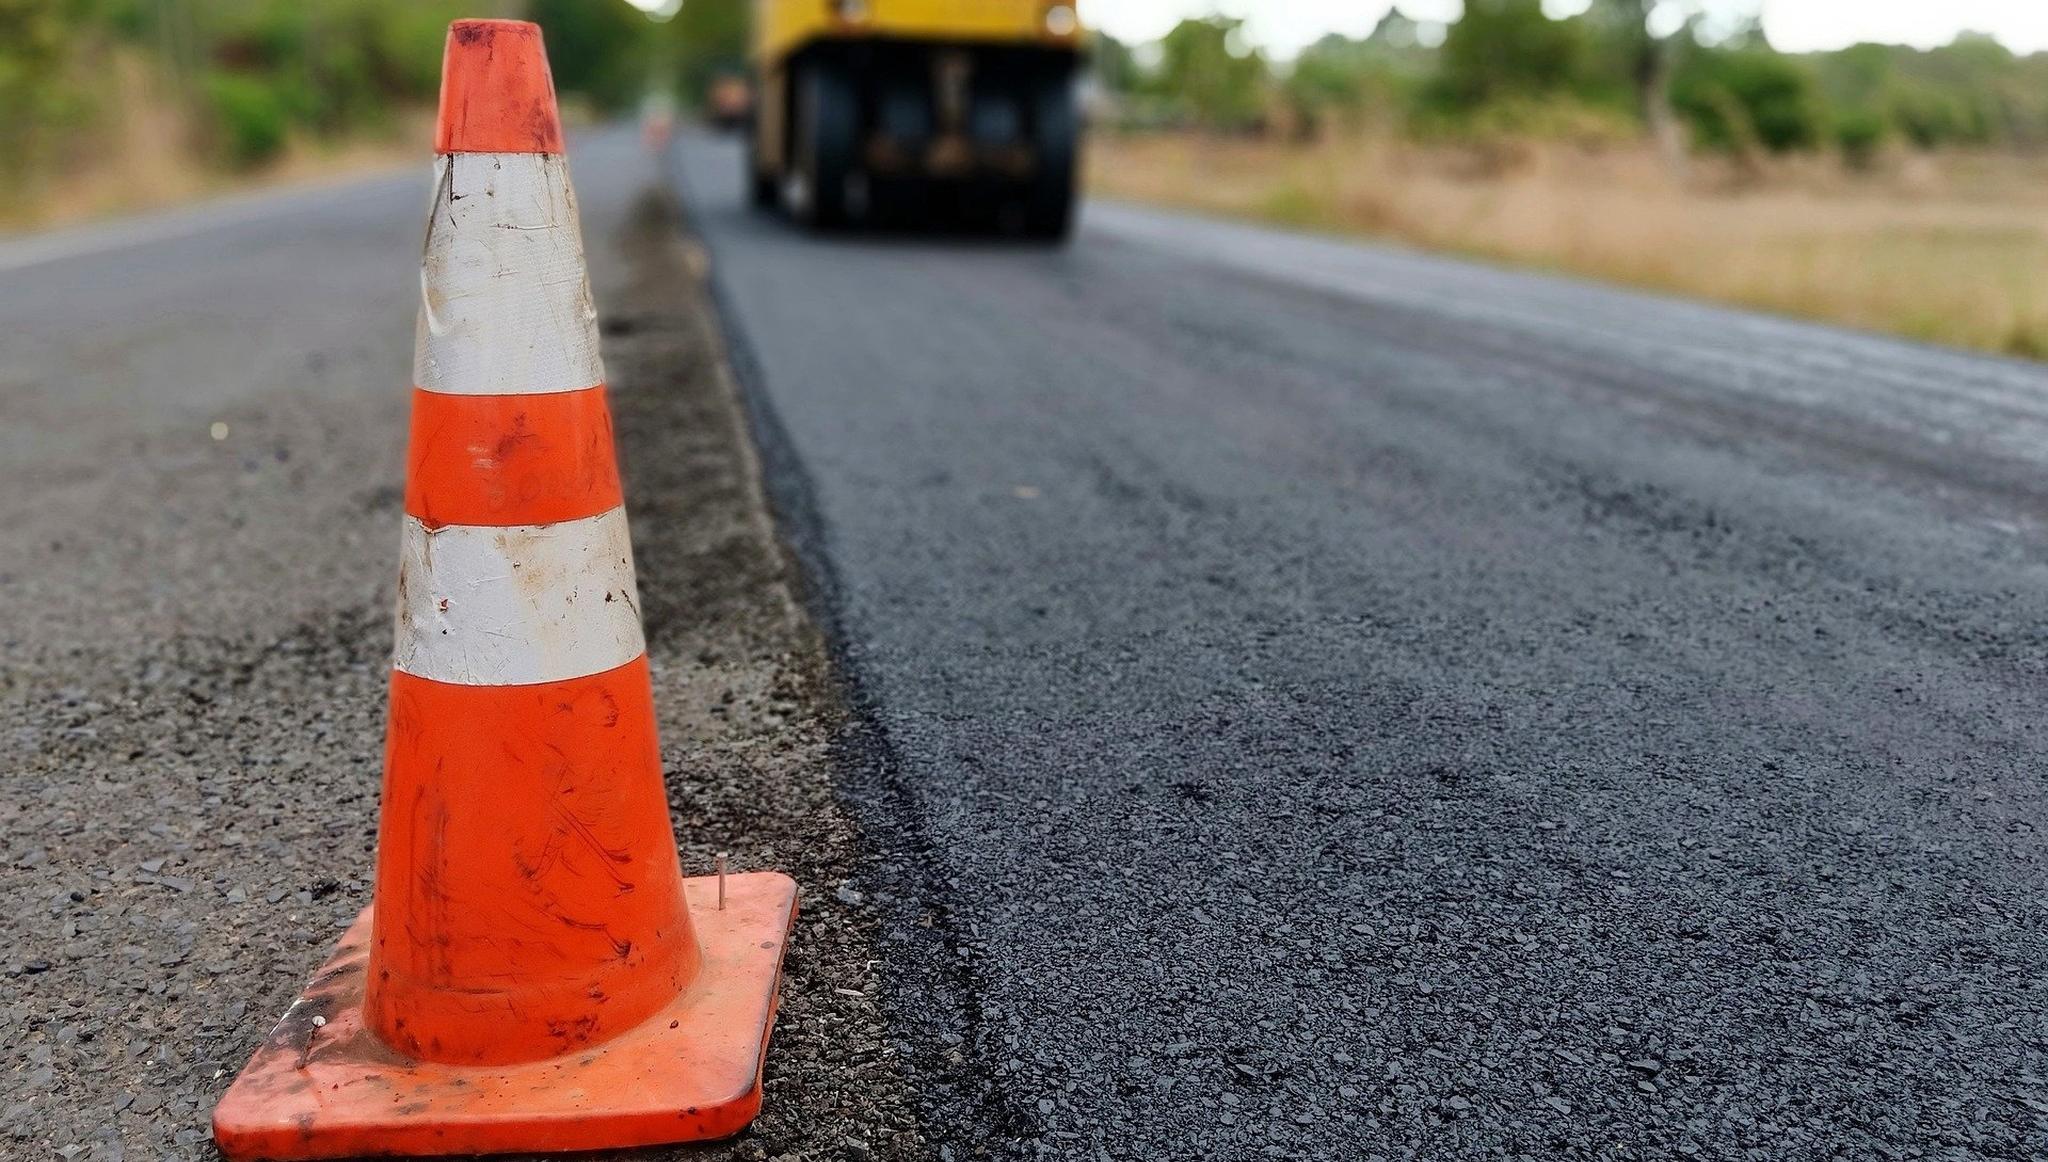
(146, 154)
(1950, 250)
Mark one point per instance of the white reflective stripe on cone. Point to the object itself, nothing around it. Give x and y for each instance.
(484, 606)
(504, 298)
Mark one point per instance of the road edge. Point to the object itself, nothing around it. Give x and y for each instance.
(934, 984)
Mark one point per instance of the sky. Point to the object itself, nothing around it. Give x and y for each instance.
(1283, 27)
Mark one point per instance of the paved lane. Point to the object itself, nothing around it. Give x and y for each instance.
(287, 317)
(1320, 701)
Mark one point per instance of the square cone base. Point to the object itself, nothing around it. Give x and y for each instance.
(323, 1086)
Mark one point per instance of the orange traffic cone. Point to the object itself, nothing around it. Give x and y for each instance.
(535, 974)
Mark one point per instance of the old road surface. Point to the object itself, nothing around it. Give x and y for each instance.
(1274, 696)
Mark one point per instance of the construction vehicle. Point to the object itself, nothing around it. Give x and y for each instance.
(908, 111)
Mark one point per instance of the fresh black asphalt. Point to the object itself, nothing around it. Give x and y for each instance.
(1320, 701)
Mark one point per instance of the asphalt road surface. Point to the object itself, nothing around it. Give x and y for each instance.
(1328, 702)
(202, 430)
(1287, 698)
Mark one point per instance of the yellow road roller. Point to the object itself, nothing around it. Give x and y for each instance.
(907, 113)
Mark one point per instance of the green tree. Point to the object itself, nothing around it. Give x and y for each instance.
(1744, 97)
(1207, 68)
(41, 92)
(599, 49)
(1337, 77)
(1396, 34)
(269, 68)
(1506, 49)
(251, 122)
(1931, 115)
(1629, 56)
(1114, 65)
(1858, 85)
(1991, 96)
(709, 40)
(1329, 76)
(1860, 132)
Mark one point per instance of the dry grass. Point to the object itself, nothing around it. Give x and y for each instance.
(146, 156)
(1950, 250)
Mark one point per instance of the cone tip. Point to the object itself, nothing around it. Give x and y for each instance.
(497, 95)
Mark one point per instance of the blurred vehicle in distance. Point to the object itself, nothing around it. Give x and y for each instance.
(909, 112)
(729, 102)
(657, 120)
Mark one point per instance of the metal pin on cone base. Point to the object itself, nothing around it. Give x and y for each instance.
(323, 1086)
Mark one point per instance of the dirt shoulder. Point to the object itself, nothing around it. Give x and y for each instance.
(1941, 248)
(748, 701)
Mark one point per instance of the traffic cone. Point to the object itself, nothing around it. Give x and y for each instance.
(535, 974)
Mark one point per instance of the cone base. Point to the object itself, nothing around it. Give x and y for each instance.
(692, 1072)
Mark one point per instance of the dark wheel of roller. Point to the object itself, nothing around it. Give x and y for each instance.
(1056, 138)
(822, 175)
